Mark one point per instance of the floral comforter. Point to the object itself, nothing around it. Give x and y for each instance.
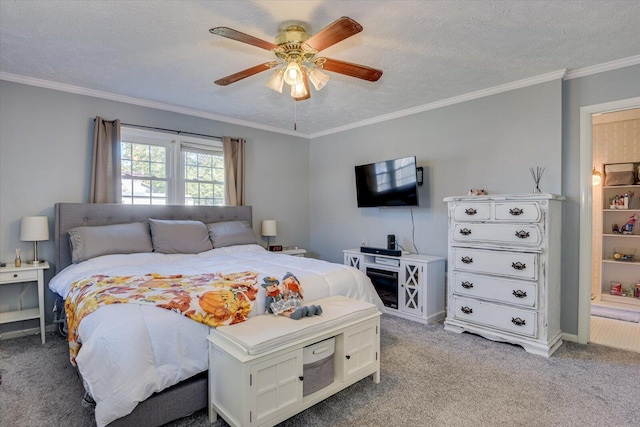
(214, 299)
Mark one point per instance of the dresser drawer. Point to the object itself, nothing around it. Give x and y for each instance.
(509, 319)
(511, 234)
(492, 288)
(472, 212)
(18, 276)
(500, 263)
(516, 211)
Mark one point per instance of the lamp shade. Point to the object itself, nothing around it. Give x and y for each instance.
(596, 177)
(34, 228)
(269, 227)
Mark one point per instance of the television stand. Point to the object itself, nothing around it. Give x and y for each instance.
(411, 286)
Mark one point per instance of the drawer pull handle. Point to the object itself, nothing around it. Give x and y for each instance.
(518, 265)
(466, 285)
(301, 378)
(522, 234)
(470, 211)
(519, 294)
(518, 321)
(466, 310)
(465, 231)
(516, 211)
(15, 274)
(347, 356)
(466, 259)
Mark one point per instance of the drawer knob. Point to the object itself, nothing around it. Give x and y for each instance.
(466, 284)
(15, 274)
(518, 321)
(516, 211)
(522, 234)
(518, 265)
(466, 259)
(466, 310)
(465, 231)
(347, 356)
(470, 211)
(519, 294)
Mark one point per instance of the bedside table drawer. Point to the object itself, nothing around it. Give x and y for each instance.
(18, 276)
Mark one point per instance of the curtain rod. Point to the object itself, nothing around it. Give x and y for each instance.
(179, 132)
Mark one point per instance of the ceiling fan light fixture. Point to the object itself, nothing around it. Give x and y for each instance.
(318, 78)
(293, 73)
(298, 90)
(276, 81)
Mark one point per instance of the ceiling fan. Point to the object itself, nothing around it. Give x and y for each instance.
(297, 63)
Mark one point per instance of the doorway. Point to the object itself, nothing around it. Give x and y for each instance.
(605, 330)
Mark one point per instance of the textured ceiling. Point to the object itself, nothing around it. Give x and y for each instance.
(162, 51)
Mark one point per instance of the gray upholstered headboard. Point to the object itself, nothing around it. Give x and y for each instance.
(69, 215)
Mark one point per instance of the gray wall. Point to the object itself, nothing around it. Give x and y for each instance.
(45, 157)
(488, 143)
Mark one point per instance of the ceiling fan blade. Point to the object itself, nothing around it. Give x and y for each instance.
(349, 69)
(242, 37)
(306, 86)
(333, 33)
(246, 73)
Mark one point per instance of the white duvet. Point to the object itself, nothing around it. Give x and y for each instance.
(131, 351)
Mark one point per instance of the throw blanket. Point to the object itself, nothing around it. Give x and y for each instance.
(213, 299)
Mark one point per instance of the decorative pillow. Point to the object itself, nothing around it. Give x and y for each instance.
(179, 237)
(90, 242)
(230, 233)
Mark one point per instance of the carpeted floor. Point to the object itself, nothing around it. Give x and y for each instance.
(430, 377)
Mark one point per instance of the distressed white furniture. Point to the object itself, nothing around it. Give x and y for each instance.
(23, 274)
(505, 269)
(256, 371)
(420, 290)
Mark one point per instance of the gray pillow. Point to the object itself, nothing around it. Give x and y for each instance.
(179, 237)
(90, 242)
(230, 233)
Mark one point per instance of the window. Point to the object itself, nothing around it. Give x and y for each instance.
(160, 169)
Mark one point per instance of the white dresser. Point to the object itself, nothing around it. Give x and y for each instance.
(504, 269)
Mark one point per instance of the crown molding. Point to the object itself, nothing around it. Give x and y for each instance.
(600, 68)
(141, 102)
(543, 78)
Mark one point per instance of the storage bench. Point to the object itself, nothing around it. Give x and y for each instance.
(257, 368)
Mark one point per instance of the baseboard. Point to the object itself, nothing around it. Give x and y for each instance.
(569, 337)
(25, 332)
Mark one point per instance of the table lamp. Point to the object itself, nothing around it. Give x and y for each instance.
(34, 229)
(269, 229)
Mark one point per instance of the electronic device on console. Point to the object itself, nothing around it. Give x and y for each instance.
(380, 251)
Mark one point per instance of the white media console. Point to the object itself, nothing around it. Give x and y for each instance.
(410, 286)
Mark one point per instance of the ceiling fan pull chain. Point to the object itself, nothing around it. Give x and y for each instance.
(295, 115)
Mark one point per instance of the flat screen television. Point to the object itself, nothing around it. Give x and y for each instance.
(387, 183)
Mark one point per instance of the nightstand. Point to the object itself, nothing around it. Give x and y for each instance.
(295, 252)
(26, 273)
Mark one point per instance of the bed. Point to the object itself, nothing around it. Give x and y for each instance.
(145, 365)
